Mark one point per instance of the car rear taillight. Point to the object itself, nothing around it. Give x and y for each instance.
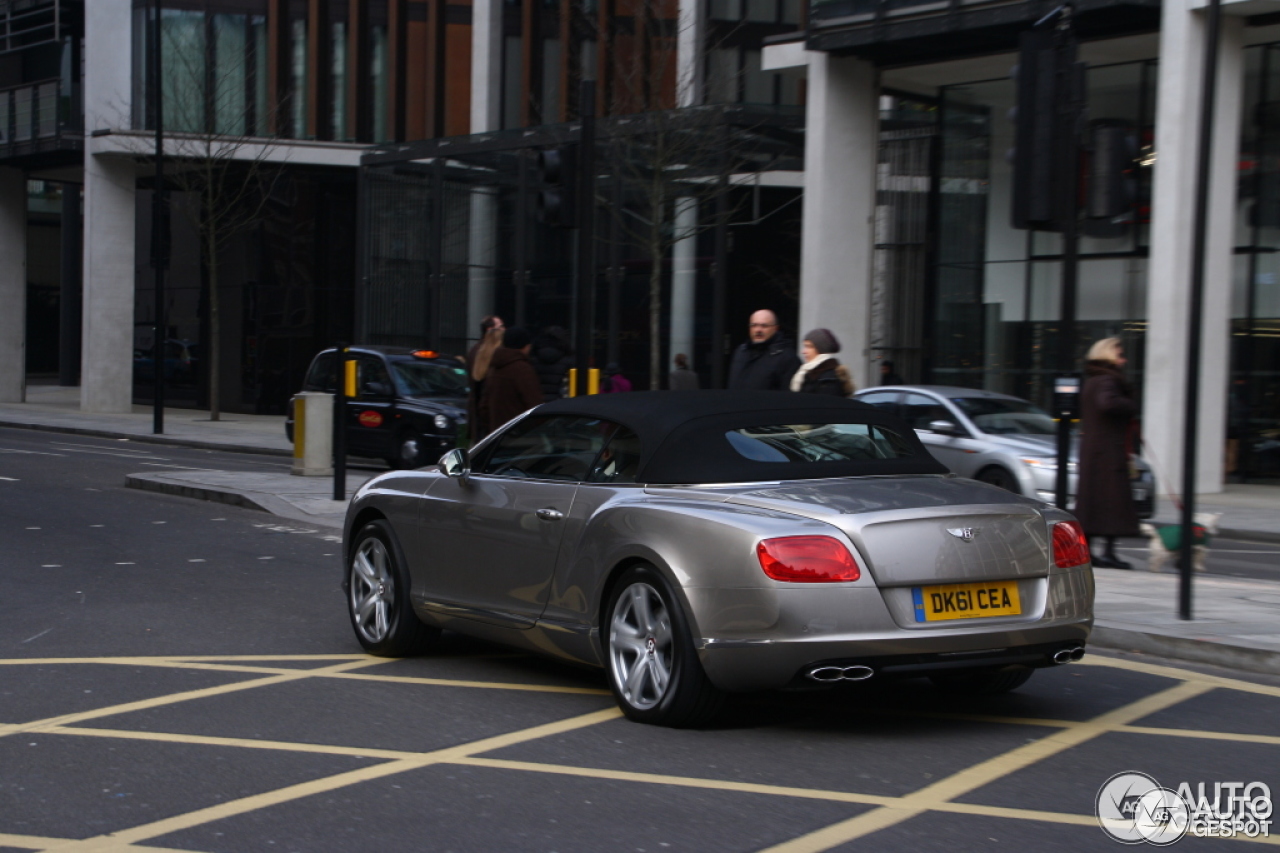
(807, 559)
(1070, 547)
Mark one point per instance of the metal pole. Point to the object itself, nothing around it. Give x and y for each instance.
(1070, 211)
(584, 273)
(720, 286)
(159, 232)
(340, 424)
(1194, 322)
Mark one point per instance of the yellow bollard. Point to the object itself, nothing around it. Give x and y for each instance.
(593, 381)
(299, 429)
(349, 375)
(573, 382)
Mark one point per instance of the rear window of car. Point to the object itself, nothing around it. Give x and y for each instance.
(831, 442)
(821, 442)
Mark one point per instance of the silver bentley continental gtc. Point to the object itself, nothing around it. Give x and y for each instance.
(704, 542)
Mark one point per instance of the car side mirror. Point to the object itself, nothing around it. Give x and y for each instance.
(456, 465)
(943, 427)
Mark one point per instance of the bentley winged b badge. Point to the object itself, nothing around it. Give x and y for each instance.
(964, 533)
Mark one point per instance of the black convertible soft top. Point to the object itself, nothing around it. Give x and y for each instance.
(683, 433)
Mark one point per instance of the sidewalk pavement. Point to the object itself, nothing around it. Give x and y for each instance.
(1237, 621)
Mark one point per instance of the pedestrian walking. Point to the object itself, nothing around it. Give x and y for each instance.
(1104, 496)
(822, 372)
(477, 362)
(552, 358)
(767, 361)
(614, 382)
(888, 375)
(682, 378)
(511, 386)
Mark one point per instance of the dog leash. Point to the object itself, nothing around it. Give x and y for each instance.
(1155, 466)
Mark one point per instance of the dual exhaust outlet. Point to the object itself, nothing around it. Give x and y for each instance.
(832, 674)
(829, 674)
(1068, 655)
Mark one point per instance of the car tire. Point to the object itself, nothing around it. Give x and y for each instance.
(982, 682)
(997, 476)
(654, 671)
(410, 451)
(377, 586)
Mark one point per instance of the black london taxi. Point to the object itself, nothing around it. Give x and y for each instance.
(410, 405)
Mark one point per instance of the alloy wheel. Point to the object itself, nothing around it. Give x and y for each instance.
(372, 590)
(641, 646)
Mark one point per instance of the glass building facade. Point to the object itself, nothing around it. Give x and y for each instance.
(992, 309)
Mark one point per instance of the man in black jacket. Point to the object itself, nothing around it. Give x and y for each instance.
(767, 361)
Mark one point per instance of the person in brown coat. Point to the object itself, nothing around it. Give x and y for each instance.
(511, 386)
(477, 361)
(1104, 497)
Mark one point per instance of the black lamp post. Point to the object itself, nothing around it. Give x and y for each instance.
(159, 228)
(1195, 322)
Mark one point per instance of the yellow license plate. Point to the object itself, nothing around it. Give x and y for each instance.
(966, 600)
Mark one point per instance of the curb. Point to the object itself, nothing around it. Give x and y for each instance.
(1186, 649)
(146, 438)
(145, 483)
(259, 501)
(1267, 536)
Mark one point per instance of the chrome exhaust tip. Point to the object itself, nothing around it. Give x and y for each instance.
(833, 674)
(1063, 656)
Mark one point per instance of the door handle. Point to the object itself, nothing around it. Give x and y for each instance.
(549, 514)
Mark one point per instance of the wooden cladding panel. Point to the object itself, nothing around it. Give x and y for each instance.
(457, 80)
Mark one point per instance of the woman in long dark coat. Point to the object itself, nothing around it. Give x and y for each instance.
(1104, 496)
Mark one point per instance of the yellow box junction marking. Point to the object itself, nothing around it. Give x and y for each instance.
(887, 811)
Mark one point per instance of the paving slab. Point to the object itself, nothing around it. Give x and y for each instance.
(1236, 621)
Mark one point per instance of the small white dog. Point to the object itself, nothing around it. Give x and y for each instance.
(1161, 555)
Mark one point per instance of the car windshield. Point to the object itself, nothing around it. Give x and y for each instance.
(1006, 417)
(430, 378)
(818, 443)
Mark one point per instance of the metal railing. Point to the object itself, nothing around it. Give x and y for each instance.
(33, 112)
(26, 23)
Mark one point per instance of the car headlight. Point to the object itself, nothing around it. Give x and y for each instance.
(1046, 463)
(442, 422)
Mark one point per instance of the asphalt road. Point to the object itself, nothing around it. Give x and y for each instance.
(181, 675)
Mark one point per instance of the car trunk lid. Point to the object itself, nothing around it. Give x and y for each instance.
(922, 530)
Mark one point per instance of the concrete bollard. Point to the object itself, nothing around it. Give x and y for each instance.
(313, 434)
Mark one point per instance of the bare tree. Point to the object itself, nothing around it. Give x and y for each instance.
(673, 162)
(217, 150)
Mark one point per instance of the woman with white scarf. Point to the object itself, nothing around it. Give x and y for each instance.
(821, 373)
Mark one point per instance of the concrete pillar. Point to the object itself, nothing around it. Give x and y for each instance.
(106, 374)
(486, 114)
(684, 278)
(106, 367)
(691, 54)
(1169, 273)
(842, 127)
(486, 65)
(13, 285)
(482, 254)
